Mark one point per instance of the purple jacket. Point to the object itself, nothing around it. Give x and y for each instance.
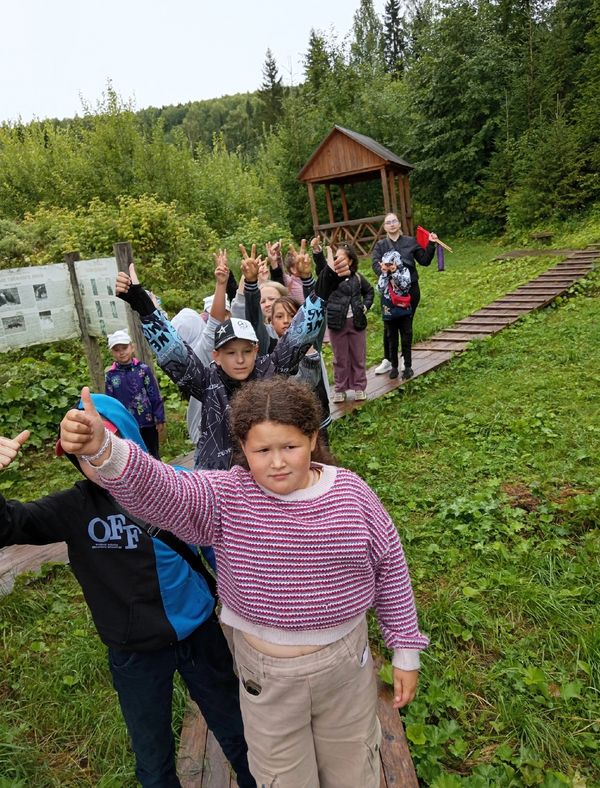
(136, 388)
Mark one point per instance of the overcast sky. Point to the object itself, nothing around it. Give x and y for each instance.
(156, 52)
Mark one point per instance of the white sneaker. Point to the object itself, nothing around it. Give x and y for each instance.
(360, 395)
(339, 396)
(384, 367)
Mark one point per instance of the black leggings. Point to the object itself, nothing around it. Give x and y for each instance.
(401, 329)
(150, 438)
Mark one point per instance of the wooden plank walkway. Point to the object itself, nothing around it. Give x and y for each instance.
(485, 322)
(200, 762)
(27, 558)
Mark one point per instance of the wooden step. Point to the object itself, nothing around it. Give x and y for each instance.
(463, 332)
(20, 558)
(485, 321)
(522, 298)
(448, 345)
(499, 312)
(540, 289)
(510, 306)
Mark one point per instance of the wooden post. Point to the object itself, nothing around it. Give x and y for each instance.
(313, 206)
(392, 190)
(409, 216)
(384, 189)
(344, 203)
(329, 203)
(90, 344)
(124, 254)
(403, 215)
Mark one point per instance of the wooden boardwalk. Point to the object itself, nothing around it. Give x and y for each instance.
(200, 762)
(27, 558)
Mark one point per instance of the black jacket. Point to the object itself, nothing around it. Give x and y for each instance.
(410, 251)
(142, 594)
(355, 291)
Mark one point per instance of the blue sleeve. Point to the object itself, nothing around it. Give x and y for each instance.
(174, 356)
(302, 333)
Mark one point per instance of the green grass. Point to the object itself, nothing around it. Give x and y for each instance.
(491, 470)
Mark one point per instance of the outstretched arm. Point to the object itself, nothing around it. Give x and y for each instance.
(308, 323)
(186, 504)
(173, 355)
(254, 313)
(39, 522)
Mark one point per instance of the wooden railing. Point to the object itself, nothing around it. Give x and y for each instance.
(361, 233)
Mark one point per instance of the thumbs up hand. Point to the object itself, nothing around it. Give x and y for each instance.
(9, 448)
(83, 431)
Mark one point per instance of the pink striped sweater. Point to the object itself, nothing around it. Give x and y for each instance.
(311, 560)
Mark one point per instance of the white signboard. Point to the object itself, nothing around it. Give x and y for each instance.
(104, 312)
(36, 305)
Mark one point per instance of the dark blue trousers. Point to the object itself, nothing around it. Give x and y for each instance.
(144, 683)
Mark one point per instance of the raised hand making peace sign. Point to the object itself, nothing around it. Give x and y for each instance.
(250, 264)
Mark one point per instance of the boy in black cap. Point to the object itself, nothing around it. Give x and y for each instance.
(235, 355)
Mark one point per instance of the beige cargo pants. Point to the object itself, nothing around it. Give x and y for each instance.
(310, 721)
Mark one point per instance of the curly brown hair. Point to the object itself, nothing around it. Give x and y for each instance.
(278, 399)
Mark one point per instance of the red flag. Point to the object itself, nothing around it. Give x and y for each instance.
(422, 236)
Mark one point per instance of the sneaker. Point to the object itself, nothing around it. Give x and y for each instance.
(360, 395)
(393, 373)
(384, 367)
(339, 396)
(407, 373)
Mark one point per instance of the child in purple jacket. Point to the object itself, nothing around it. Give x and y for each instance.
(134, 385)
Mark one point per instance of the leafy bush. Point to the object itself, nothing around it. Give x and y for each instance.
(38, 390)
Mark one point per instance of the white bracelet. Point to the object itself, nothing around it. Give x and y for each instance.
(91, 457)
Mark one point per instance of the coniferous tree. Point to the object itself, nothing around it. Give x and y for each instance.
(317, 62)
(394, 39)
(271, 92)
(420, 20)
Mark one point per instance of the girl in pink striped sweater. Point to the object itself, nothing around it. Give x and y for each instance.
(304, 549)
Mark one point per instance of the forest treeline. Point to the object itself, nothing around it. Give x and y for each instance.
(495, 103)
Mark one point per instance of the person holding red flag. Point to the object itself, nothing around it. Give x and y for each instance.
(411, 253)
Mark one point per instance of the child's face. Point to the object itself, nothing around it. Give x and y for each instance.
(122, 354)
(278, 456)
(388, 268)
(236, 358)
(280, 319)
(267, 296)
(341, 256)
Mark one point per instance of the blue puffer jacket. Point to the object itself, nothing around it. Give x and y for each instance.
(135, 386)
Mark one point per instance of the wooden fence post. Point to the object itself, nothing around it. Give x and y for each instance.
(124, 255)
(90, 344)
